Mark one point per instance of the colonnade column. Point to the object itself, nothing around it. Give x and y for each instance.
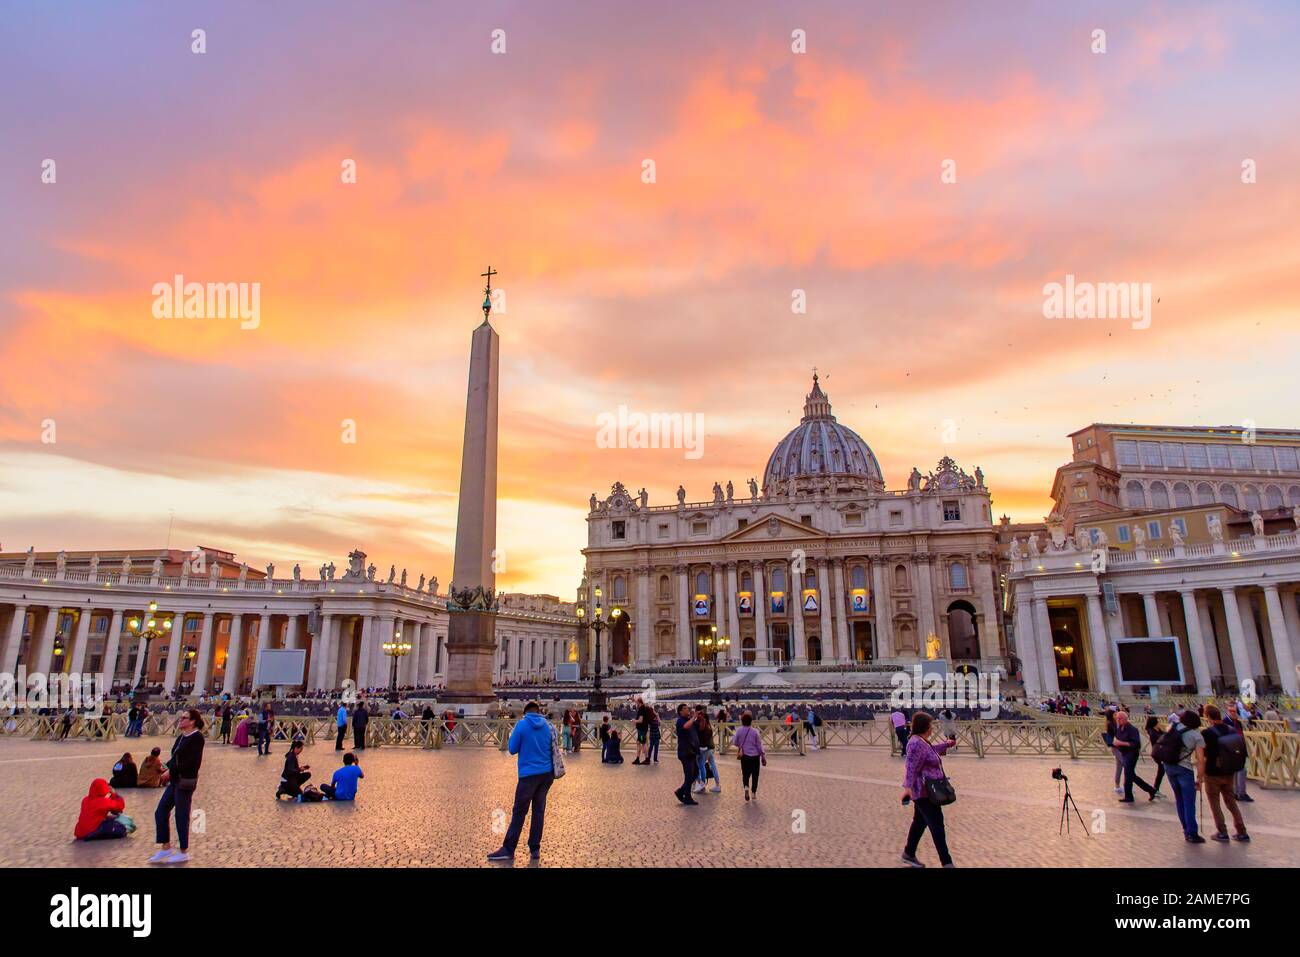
(762, 655)
(733, 613)
(234, 655)
(1281, 640)
(984, 574)
(1236, 636)
(1196, 641)
(824, 591)
(81, 642)
(1047, 656)
(15, 640)
(175, 652)
(644, 617)
(1099, 643)
(325, 654)
(110, 648)
(45, 650)
(1027, 644)
(794, 604)
(203, 666)
(1152, 614)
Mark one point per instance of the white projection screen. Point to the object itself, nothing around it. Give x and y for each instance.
(280, 666)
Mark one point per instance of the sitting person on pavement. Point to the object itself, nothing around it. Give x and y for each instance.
(343, 785)
(294, 776)
(152, 773)
(99, 810)
(124, 773)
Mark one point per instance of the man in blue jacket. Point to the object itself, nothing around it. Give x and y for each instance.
(531, 740)
(342, 719)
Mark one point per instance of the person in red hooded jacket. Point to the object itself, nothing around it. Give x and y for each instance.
(97, 821)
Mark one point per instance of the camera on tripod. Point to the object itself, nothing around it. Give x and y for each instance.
(1059, 775)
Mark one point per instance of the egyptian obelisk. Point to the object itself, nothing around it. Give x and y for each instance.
(471, 632)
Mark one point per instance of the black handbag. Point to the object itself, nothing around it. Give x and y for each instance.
(939, 790)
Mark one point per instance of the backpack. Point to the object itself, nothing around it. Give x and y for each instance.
(1169, 747)
(1225, 750)
(817, 720)
(557, 756)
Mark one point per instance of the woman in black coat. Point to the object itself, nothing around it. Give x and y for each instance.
(183, 765)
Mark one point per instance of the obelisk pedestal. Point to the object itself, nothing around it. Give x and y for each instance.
(471, 631)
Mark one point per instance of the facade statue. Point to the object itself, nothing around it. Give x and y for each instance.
(1216, 527)
(1295, 516)
(914, 480)
(645, 497)
(753, 493)
(1139, 536)
(403, 581)
(370, 572)
(731, 492)
(932, 647)
(717, 494)
(61, 561)
(156, 568)
(1014, 551)
(433, 585)
(94, 567)
(979, 477)
(331, 571)
(356, 566)
(593, 501)
(1175, 533)
(1103, 540)
(681, 495)
(270, 571)
(243, 572)
(214, 571)
(392, 573)
(324, 570)
(185, 571)
(126, 565)
(297, 572)
(30, 562)
(1257, 523)
(420, 587)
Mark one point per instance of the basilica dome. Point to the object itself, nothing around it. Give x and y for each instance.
(819, 450)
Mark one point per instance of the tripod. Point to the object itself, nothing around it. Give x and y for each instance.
(1067, 802)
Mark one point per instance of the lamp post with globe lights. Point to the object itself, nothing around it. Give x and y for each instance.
(715, 644)
(147, 629)
(597, 701)
(395, 649)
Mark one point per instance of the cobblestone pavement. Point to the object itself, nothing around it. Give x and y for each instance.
(438, 808)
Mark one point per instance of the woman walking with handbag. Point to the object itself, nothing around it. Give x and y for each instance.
(183, 766)
(749, 748)
(927, 788)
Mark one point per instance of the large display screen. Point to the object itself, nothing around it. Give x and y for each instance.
(1149, 661)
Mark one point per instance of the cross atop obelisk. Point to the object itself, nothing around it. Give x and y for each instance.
(487, 292)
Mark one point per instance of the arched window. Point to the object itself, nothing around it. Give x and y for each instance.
(858, 577)
(810, 579)
(1293, 494)
(1228, 495)
(620, 587)
(746, 581)
(1134, 496)
(702, 583)
(778, 579)
(1159, 495)
(1205, 494)
(1182, 495)
(957, 576)
(900, 577)
(1273, 496)
(664, 588)
(1253, 503)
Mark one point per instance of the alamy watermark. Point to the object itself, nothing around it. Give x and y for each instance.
(626, 429)
(37, 691)
(179, 299)
(1098, 300)
(932, 691)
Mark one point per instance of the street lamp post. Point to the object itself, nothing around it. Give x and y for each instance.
(395, 649)
(597, 701)
(147, 630)
(715, 644)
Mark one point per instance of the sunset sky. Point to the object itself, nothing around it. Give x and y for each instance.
(775, 171)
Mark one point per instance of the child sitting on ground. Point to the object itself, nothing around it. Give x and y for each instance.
(99, 810)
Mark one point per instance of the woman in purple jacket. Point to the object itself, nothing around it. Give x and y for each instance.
(923, 765)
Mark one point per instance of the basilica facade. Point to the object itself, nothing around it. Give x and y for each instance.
(823, 565)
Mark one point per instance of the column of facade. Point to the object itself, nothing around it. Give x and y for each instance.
(203, 665)
(365, 656)
(988, 633)
(880, 608)
(684, 640)
(1152, 614)
(265, 639)
(234, 655)
(1047, 659)
(644, 619)
(733, 613)
(1236, 635)
(1206, 616)
(1196, 641)
(794, 602)
(110, 648)
(762, 655)
(81, 642)
(925, 593)
(408, 665)
(325, 653)
(719, 601)
(827, 628)
(1292, 618)
(175, 652)
(842, 638)
(15, 641)
(1027, 645)
(291, 631)
(1099, 644)
(1281, 639)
